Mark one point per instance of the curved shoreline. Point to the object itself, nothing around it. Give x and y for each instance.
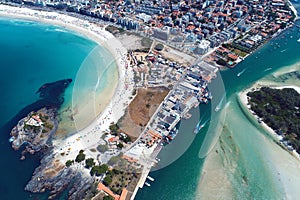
(242, 99)
(114, 110)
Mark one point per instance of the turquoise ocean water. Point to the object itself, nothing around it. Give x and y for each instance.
(33, 54)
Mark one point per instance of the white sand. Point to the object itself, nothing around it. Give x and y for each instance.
(286, 164)
(90, 136)
(244, 99)
(214, 183)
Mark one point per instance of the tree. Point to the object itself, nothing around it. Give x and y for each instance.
(107, 180)
(108, 198)
(102, 148)
(89, 162)
(114, 128)
(80, 157)
(69, 163)
(120, 145)
(99, 170)
(125, 139)
(222, 62)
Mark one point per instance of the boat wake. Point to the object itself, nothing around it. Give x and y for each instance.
(268, 69)
(241, 72)
(200, 125)
(220, 104)
(283, 50)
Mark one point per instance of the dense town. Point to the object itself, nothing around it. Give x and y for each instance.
(193, 27)
(215, 33)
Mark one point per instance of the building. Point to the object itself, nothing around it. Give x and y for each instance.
(203, 47)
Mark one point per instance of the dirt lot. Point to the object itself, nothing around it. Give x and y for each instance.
(175, 55)
(133, 41)
(141, 109)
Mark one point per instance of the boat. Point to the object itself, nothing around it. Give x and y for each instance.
(150, 178)
(298, 40)
(241, 72)
(199, 126)
(147, 184)
(219, 105)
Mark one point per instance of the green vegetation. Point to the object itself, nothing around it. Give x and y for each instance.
(69, 163)
(48, 125)
(133, 92)
(80, 157)
(44, 131)
(113, 160)
(114, 30)
(114, 128)
(279, 109)
(120, 145)
(222, 62)
(89, 163)
(240, 53)
(102, 148)
(107, 180)
(99, 170)
(108, 198)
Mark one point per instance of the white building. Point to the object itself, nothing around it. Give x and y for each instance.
(203, 47)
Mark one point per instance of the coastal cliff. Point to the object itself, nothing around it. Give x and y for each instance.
(33, 133)
(53, 176)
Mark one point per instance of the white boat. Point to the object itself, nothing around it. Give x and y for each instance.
(241, 72)
(150, 178)
(147, 184)
(298, 40)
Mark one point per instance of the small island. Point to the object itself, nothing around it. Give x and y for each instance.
(34, 131)
(279, 109)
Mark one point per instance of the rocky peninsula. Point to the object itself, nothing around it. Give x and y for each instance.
(34, 134)
(34, 131)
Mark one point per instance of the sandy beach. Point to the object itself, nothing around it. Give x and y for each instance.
(214, 184)
(285, 164)
(244, 100)
(223, 175)
(113, 109)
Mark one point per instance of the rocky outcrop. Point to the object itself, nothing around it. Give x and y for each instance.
(53, 176)
(35, 131)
